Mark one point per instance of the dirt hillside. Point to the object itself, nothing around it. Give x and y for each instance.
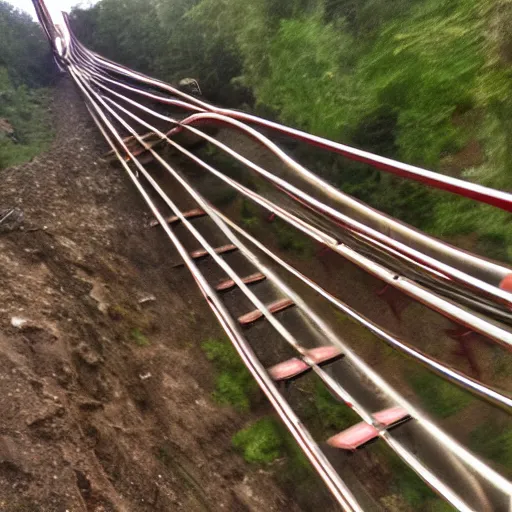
(104, 390)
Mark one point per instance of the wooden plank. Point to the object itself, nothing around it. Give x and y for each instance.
(202, 253)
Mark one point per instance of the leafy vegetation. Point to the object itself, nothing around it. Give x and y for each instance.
(267, 440)
(25, 71)
(419, 80)
(234, 384)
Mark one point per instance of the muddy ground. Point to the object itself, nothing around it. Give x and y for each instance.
(104, 389)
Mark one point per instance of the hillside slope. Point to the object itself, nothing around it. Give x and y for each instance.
(104, 390)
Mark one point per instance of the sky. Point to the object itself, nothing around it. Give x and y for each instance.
(62, 5)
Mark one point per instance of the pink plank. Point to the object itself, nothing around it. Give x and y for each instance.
(358, 435)
(324, 354)
(390, 416)
(274, 307)
(229, 283)
(353, 437)
(288, 369)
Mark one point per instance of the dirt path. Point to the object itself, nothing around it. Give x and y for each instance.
(104, 390)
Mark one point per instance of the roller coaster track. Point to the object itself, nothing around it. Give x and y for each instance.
(139, 115)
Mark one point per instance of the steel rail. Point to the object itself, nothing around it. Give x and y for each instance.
(411, 288)
(466, 382)
(465, 255)
(433, 364)
(460, 187)
(361, 231)
(476, 463)
(399, 229)
(499, 483)
(472, 302)
(342, 395)
(371, 235)
(337, 487)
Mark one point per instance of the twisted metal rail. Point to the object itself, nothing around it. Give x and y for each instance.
(458, 285)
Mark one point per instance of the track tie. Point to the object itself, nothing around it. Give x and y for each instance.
(362, 433)
(203, 253)
(296, 367)
(273, 307)
(190, 214)
(134, 146)
(228, 284)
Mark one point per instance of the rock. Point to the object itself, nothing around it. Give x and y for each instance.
(18, 322)
(11, 219)
(11, 454)
(87, 355)
(147, 298)
(190, 86)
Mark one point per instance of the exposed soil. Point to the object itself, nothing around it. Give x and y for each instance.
(104, 389)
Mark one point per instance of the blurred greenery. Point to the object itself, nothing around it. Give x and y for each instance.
(495, 443)
(405, 483)
(26, 70)
(439, 396)
(418, 80)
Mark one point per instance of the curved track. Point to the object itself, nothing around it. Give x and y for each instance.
(464, 288)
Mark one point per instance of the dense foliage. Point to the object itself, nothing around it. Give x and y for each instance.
(26, 68)
(425, 81)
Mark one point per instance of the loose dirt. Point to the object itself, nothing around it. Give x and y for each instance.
(105, 394)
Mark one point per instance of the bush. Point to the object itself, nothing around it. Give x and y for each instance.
(27, 111)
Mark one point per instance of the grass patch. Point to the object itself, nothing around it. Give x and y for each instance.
(27, 111)
(234, 384)
(331, 413)
(439, 396)
(267, 440)
(261, 442)
(139, 338)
